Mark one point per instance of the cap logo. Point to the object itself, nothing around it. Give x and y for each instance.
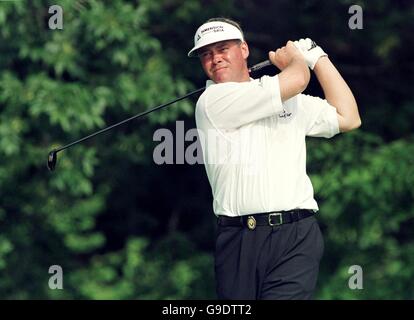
(212, 29)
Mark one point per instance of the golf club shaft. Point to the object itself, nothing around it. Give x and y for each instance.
(127, 120)
(254, 68)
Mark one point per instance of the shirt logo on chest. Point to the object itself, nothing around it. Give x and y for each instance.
(285, 114)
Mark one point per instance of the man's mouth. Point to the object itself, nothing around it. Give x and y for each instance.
(218, 69)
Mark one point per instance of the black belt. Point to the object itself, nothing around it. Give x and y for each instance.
(265, 219)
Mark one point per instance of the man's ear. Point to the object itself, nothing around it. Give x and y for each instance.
(245, 49)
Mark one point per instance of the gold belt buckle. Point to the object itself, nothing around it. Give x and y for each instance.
(251, 222)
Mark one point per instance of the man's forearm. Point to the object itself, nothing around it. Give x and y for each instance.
(338, 94)
(294, 79)
(294, 76)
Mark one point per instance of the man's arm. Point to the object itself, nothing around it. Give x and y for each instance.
(338, 94)
(294, 76)
(336, 91)
(231, 105)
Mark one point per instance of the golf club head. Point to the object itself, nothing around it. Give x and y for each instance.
(51, 160)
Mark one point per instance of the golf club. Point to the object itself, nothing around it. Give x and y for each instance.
(52, 157)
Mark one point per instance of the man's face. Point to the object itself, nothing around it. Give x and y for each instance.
(225, 61)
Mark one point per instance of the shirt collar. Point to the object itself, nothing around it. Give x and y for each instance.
(210, 82)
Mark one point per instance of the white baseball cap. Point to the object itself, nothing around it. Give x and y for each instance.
(212, 32)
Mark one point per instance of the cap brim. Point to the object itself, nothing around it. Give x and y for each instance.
(193, 51)
(213, 32)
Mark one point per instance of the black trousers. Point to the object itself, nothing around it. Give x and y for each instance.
(280, 262)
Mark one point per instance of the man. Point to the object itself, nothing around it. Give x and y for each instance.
(269, 244)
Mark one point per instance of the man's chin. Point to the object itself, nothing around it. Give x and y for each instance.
(221, 76)
(220, 79)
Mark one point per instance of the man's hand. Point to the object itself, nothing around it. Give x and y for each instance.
(310, 51)
(282, 57)
(295, 74)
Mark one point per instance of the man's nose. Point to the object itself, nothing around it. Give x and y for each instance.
(217, 58)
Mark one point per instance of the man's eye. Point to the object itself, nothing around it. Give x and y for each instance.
(223, 49)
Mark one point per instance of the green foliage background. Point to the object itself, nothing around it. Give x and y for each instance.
(122, 227)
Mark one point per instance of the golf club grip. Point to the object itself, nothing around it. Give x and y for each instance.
(260, 65)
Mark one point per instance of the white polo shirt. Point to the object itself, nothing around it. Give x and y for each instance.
(254, 147)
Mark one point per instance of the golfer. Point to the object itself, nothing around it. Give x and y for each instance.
(268, 244)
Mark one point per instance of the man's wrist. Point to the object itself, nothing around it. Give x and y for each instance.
(299, 60)
(314, 55)
(320, 62)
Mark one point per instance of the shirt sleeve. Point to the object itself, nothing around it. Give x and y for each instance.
(231, 105)
(319, 118)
